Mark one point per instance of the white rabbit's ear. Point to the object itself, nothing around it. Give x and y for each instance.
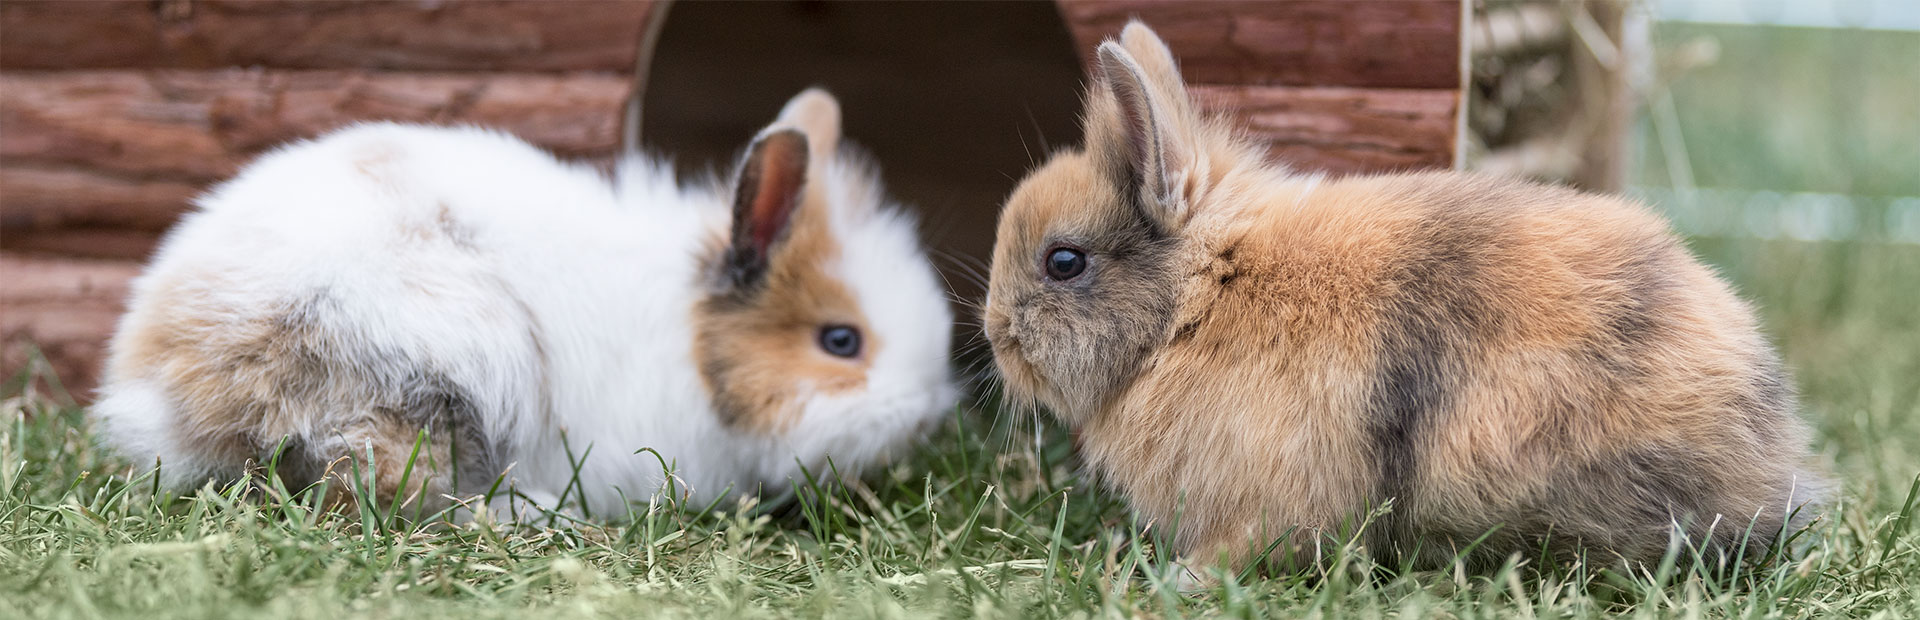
(1141, 120)
(766, 193)
(817, 114)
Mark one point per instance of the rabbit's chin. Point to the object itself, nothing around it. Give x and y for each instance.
(841, 436)
(1023, 385)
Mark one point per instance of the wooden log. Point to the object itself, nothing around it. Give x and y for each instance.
(197, 125)
(47, 198)
(1371, 43)
(471, 35)
(126, 149)
(1343, 130)
(108, 243)
(66, 308)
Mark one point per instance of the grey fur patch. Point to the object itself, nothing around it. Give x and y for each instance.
(1429, 327)
(456, 232)
(431, 401)
(727, 406)
(1637, 324)
(1653, 491)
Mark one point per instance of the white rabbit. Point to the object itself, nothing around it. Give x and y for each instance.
(342, 295)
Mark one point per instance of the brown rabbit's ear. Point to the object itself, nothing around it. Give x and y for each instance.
(767, 192)
(1147, 125)
(1160, 71)
(817, 114)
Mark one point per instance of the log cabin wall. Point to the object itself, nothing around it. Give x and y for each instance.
(114, 114)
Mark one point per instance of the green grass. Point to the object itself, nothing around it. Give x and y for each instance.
(986, 521)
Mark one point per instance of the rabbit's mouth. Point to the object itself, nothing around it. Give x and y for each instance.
(1007, 352)
(1021, 376)
(1022, 379)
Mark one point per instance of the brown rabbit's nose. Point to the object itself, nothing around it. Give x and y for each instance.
(999, 331)
(993, 322)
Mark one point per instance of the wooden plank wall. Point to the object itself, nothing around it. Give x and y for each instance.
(114, 114)
(1334, 85)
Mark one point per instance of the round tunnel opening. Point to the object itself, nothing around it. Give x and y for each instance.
(954, 100)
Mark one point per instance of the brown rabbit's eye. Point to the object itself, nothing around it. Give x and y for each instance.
(840, 340)
(1065, 263)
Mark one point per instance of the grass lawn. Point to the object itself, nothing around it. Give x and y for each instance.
(989, 520)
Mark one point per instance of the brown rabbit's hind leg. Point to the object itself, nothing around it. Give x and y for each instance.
(1270, 550)
(1647, 503)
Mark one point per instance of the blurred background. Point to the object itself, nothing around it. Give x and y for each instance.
(1777, 119)
(1781, 136)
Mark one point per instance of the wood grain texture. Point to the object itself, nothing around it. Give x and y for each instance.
(1361, 43)
(466, 35)
(125, 150)
(1343, 130)
(109, 243)
(65, 307)
(66, 197)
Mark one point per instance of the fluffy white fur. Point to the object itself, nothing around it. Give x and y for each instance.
(561, 301)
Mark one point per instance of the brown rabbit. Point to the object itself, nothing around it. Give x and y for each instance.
(1254, 357)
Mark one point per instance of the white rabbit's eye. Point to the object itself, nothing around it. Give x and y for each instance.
(1065, 263)
(840, 340)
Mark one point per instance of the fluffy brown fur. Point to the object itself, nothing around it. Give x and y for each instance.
(1253, 356)
(755, 333)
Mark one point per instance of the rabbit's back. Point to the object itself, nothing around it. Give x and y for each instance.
(1530, 361)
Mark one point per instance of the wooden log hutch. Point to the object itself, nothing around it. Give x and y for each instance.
(114, 114)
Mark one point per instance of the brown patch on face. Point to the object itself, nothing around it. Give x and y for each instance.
(758, 345)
